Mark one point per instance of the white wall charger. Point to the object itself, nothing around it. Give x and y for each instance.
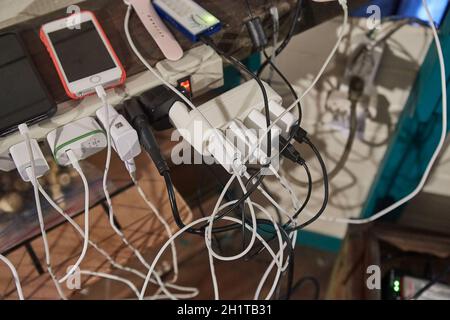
(124, 138)
(84, 137)
(19, 154)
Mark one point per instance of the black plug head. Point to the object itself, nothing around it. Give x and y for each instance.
(356, 88)
(139, 121)
(133, 111)
(156, 104)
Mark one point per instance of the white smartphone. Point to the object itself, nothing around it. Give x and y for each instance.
(82, 54)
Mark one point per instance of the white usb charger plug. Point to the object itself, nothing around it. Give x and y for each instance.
(124, 138)
(83, 138)
(19, 154)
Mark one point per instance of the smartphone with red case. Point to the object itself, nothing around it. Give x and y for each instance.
(82, 54)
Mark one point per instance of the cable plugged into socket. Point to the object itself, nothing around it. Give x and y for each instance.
(124, 138)
(83, 137)
(19, 155)
(206, 140)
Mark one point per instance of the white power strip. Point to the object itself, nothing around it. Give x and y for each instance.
(235, 104)
(202, 64)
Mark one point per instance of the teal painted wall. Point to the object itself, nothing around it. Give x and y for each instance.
(417, 133)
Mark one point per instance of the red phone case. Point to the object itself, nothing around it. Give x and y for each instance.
(46, 42)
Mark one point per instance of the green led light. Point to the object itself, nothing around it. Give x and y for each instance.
(396, 283)
(396, 289)
(209, 18)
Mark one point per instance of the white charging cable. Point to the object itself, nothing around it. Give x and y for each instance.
(440, 145)
(31, 172)
(102, 95)
(270, 267)
(125, 141)
(276, 28)
(438, 149)
(115, 264)
(74, 161)
(211, 222)
(15, 276)
(342, 32)
(181, 231)
(277, 259)
(167, 228)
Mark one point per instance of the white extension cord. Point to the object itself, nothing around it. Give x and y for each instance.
(76, 165)
(189, 103)
(193, 107)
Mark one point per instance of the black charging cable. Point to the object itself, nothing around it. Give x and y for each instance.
(140, 122)
(283, 45)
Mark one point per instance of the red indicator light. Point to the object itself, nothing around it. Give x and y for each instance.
(186, 85)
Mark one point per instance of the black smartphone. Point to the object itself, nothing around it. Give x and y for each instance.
(23, 95)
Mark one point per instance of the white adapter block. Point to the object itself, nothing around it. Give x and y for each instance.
(205, 139)
(124, 138)
(84, 137)
(21, 158)
(236, 103)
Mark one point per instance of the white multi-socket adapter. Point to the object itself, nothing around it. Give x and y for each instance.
(83, 137)
(244, 103)
(205, 139)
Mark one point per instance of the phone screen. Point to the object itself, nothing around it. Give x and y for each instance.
(23, 98)
(81, 51)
